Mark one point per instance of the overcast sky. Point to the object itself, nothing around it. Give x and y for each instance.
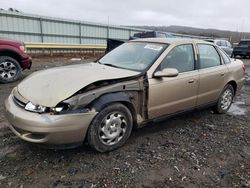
(220, 14)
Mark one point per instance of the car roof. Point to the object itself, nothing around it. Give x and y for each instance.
(171, 40)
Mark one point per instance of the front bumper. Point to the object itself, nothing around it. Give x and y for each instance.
(47, 128)
(26, 63)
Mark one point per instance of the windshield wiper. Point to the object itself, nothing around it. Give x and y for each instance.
(111, 65)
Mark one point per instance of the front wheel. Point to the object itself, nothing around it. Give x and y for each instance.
(10, 69)
(225, 100)
(110, 128)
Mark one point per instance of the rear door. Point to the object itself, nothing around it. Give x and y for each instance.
(213, 74)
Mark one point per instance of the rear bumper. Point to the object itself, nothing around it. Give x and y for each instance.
(240, 84)
(47, 128)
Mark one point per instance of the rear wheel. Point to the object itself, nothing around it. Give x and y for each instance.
(10, 69)
(225, 100)
(110, 128)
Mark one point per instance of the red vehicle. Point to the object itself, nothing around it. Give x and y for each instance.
(13, 59)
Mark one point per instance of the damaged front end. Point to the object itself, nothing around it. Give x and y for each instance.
(131, 92)
(57, 113)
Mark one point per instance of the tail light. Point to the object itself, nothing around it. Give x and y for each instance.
(248, 47)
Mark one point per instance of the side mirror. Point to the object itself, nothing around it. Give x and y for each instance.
(168, 72)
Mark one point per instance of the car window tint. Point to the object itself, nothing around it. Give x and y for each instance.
(223, 43)
(208, 56)
(225, 58)
(244, 43)
(218, 43)
(180, 57)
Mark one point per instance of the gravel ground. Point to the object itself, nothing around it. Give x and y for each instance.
(198, 149)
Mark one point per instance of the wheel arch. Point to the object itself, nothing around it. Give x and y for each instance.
(110, 98)
(11, 54)
(234, 85)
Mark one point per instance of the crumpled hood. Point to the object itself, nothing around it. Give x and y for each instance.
(49, 87)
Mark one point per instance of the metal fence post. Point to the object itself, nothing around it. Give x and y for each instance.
(107, 32)
(80, 33)
(41, 29)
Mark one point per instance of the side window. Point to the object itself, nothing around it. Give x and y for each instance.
(225, 58)
(218, 43)
(180, 57)
(208, 56)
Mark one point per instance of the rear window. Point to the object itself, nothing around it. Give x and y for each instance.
(225, 57)
(145, 35)
(137, 35)
(244, 43)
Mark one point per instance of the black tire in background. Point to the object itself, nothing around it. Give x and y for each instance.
(10, 69)
(225, 100)
(104, 126)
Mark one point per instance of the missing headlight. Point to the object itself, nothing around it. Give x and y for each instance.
(60, 107)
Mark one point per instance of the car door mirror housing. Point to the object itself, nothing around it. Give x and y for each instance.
(168, 72)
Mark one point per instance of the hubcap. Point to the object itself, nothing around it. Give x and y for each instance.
(7, 70)
(226, 99)
(112, 128)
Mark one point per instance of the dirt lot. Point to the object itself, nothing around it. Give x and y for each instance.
(198, 149)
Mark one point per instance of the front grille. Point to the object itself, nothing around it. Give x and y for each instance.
(18, 102)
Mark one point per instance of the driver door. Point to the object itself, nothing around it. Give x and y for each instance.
(168, 95)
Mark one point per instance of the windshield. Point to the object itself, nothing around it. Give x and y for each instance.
(133, 55)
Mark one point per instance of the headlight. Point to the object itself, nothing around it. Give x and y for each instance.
(35, 108)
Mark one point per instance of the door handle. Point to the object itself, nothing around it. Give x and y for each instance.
(191, 81)
(222, 74)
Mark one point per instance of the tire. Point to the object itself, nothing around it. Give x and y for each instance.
(225, 100)
(111, 128)
(10, 70)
